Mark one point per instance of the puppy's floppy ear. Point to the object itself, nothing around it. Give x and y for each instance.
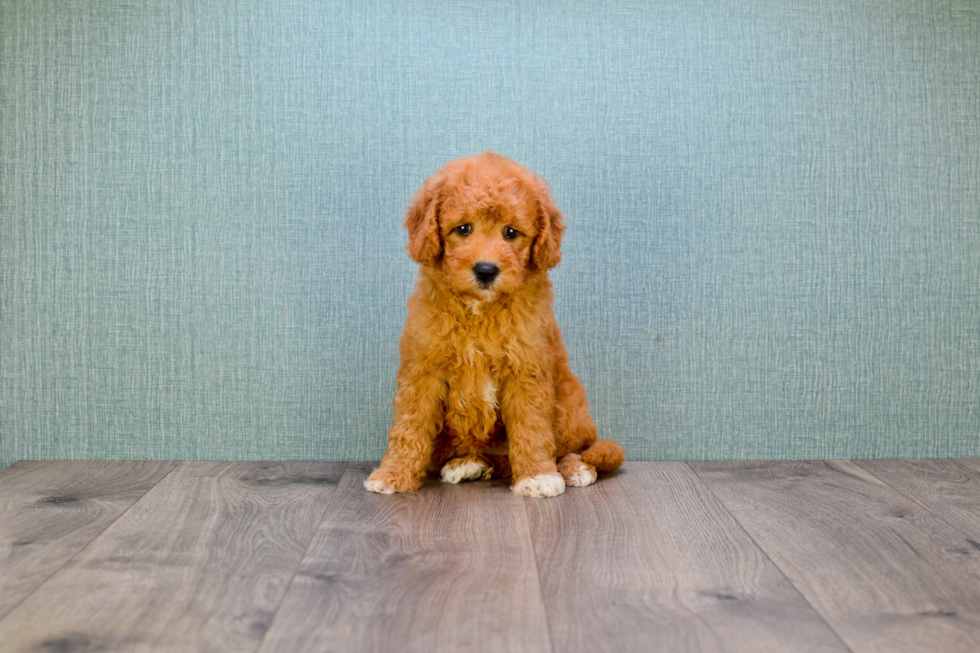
(422, 222)
(546, 250)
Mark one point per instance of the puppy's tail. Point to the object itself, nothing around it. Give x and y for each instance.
(604, 455)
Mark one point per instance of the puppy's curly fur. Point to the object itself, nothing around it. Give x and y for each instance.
(484, 385)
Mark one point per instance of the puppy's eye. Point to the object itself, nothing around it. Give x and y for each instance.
(464, 229)
(510, 233)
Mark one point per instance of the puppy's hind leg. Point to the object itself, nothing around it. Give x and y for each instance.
(466, 468)
(576, 472)
(501, 466)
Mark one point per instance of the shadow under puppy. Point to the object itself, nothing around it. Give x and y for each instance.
(484, 385)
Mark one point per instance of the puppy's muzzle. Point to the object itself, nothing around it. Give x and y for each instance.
(485, 273)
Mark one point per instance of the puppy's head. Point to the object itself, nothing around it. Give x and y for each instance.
(487, 223)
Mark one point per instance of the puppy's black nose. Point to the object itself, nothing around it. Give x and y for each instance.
(485, 272)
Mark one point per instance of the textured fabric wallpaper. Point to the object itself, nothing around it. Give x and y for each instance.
(773, 209)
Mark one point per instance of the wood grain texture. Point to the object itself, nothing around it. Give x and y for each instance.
(49, 511)
(970, 463)
(885, 573)
(447, 568)
(944, 488)
(198, 564)
(648, 560)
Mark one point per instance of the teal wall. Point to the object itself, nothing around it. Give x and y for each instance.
(773, 211)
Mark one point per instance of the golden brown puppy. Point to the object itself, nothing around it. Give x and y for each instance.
(484, 386)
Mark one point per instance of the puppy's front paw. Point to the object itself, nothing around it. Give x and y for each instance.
(374, 485)
(465, 469)
(386, 482)
(542, 485)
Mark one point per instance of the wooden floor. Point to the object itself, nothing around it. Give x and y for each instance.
(293, 557)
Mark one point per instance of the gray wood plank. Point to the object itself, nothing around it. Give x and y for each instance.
(970, 463)
(198, 564)
(446, 568)
(948, 490)
(884, 572)
(49, 511)
(648, 560)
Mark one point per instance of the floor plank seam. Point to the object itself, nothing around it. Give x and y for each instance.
(302, 558)
(919, 503)
(537, 573)
(87, 544)
(769, 557)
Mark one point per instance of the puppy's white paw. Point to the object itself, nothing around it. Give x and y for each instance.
(584, 476)
(577, 472)
(542, 485)
(456, 471)
(377, 486)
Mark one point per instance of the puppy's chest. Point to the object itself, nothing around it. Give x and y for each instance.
(473, 399)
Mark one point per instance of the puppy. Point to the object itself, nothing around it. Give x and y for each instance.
(484, 385)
